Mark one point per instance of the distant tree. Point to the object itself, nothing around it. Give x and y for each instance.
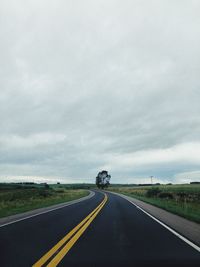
(46, 186)
(103, 179)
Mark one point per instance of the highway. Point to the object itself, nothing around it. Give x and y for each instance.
(105, 230)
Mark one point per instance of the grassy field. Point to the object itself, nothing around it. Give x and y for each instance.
(183, 200)
(20, 198)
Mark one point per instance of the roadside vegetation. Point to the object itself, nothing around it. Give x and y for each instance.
(183, 200)
(17, 198)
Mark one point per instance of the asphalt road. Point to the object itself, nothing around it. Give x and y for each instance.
(118, 235)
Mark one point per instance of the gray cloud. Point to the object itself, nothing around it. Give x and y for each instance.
(92, 84)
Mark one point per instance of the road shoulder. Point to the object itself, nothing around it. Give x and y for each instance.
(26, 215)
(188, 229)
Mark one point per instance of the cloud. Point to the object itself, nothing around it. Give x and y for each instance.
(187, 177)
(31, 141)
(186, 153)
(94, 84)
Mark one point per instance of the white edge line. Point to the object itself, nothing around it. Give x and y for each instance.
(43, 212)
(164, 225)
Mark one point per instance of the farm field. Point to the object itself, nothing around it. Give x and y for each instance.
(183, 200)
(16, 198)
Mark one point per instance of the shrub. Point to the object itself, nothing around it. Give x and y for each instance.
(165, 195)
(181, 194)
(44, 193)
(60, 191)
(153, 192)
(46, 186)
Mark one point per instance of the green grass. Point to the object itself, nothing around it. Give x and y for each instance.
(183, 200)
(13, 201)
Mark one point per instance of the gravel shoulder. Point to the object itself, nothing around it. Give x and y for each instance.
(25, 215)
(188, 229)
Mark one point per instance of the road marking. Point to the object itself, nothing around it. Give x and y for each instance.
(57, 208)
(164, 225)
(74, 234)
(65, 239)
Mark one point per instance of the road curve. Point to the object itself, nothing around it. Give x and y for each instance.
(37, 212)
(116, 233)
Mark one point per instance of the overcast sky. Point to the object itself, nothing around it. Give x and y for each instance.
(104, 84)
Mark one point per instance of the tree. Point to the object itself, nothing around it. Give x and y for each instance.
(103, 179)
(46, 186)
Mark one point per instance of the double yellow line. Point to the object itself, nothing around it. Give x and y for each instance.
(66, 243)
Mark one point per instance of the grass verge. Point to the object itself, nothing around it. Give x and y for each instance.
(13, 201)
(181, 200)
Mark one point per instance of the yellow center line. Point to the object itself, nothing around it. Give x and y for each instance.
(55, 261)
(84, 224)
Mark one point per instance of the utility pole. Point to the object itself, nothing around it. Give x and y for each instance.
(151, 179)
